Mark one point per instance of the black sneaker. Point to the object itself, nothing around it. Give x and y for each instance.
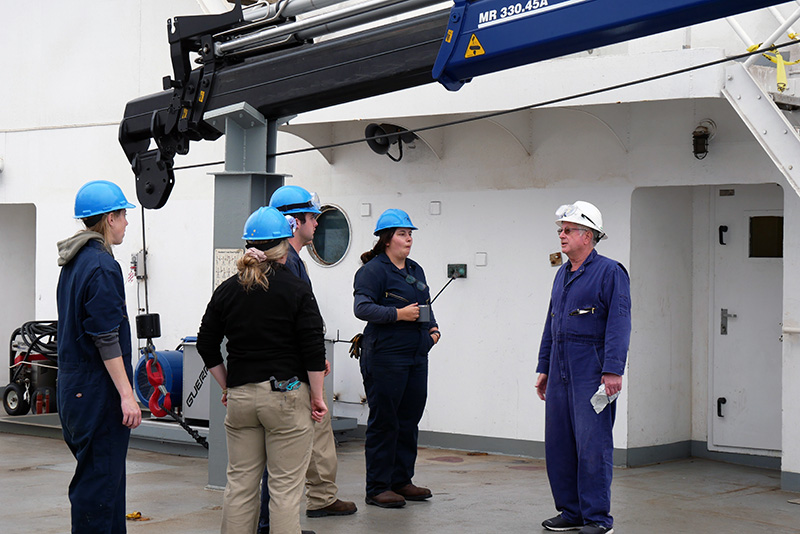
(559, 524)
(265, 530)
(594, 528)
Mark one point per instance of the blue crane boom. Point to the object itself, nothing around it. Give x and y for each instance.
(485, 36)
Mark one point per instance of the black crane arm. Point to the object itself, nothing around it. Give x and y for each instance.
(295, 75)
(305, 77)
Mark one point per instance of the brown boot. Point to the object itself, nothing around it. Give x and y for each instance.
(414, 493)
(336, 508)
(386, 499)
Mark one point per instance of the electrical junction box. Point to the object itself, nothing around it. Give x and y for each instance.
(138, 265)
(456, 270)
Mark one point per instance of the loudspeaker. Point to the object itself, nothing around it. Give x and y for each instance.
(381, 144)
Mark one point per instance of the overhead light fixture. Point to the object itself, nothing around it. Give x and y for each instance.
(380, 137)
(701, 135)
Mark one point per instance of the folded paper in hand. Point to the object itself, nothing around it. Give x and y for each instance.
(600, 400)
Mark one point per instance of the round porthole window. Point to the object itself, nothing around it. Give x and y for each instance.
(332, 237)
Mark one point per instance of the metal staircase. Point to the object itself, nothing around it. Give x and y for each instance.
(772, 115)
(770, 125)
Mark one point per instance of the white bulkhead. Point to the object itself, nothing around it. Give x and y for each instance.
(482, 193)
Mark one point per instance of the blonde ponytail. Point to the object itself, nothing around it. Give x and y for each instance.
(254, 272)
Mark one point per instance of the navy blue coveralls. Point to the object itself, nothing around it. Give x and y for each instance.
(91, 301)
(296, 265)
(394, 366)
(586, 334)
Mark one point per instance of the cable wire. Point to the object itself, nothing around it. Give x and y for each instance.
(144, 264)
(550, 102)
(33, 337)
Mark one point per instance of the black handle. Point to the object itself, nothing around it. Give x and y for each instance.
(722, 230)
(720, 402)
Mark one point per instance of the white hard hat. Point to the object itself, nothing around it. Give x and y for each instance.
(583, 213)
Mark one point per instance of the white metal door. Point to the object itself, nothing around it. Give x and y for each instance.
(745, 399)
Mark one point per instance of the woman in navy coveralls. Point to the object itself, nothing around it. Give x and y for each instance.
(389, 288)
(95, 399)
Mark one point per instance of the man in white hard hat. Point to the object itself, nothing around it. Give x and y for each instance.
(581, 361)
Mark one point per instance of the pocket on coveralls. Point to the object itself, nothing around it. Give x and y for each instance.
(81, 408)
(600, 360)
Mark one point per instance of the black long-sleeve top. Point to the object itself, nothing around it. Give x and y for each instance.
(277, 332)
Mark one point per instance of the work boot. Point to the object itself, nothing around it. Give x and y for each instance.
(414, 493)
(337, 507)
(559, 524)
(386, 499)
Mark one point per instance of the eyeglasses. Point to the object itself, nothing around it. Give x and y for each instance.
(312, 204)
(420, 285)
(314, 201)
(568, 230)
(567, 210)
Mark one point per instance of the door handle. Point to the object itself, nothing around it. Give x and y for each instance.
(722, 230)
(723, 321)
(720, 402)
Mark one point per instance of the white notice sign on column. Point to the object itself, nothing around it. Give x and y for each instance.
(225, 263)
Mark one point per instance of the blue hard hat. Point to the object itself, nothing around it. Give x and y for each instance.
(266, 223)
(393, 218)
(99, 196)
(294, 199)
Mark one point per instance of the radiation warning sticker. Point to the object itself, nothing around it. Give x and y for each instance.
(474, 48)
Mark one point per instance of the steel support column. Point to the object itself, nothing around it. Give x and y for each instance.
(244, 186)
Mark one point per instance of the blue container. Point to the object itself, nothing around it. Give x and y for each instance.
(171, 362)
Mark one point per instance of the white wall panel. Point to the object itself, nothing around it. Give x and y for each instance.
(65, 92)
(660, 369)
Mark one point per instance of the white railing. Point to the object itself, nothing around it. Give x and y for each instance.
(785, 25)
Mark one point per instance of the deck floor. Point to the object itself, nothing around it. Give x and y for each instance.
(473, 493)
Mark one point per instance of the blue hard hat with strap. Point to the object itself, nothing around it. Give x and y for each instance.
(99, 196)
(294, 199)
(393, 218)
(266, 223)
